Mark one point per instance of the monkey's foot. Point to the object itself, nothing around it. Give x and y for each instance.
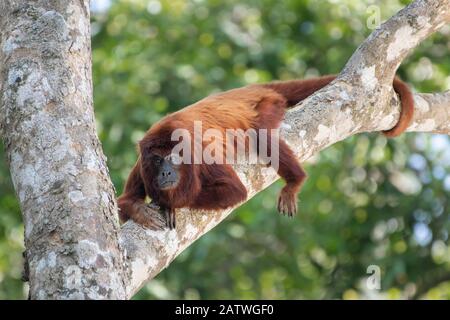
(170, 218)
(149, 216)
(287, 202)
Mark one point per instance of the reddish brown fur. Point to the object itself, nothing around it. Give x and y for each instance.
(407, 110)
(216, 186)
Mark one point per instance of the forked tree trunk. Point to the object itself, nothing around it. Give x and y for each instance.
(75, 247)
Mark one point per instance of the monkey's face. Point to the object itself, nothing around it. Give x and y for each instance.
(167, 173)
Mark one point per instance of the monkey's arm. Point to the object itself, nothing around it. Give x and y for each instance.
(132, 202)
(293, 174)
(221, 189)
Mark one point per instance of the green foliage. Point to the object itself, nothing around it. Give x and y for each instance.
(368, 201)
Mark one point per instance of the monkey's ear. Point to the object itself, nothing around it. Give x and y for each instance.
(144, 147)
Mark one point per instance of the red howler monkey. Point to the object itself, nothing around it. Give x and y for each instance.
(216, 186)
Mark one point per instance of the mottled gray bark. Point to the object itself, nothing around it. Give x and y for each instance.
(57, 165)
(71, 232)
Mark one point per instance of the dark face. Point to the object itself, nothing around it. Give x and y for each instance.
(167, 173)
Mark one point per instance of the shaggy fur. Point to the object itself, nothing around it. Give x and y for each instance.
(216, 186)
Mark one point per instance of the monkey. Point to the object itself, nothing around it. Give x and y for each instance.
(215, 186)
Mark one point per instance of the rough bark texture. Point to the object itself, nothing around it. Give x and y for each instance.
(58, 169)
(72, 236)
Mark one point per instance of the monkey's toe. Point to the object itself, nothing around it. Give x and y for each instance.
(153, 225)
(150, 218)
(287, 203)
(170, 218)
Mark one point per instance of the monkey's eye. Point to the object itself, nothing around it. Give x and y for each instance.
(157, 160)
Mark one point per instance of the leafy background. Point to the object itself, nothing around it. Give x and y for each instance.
(368, 200)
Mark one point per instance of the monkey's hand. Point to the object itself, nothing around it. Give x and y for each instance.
(147, 215)
(287, 202)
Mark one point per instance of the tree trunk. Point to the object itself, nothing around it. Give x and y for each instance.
(57, 165)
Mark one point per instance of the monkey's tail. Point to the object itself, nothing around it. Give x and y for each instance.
(407, 110)
(297, 90)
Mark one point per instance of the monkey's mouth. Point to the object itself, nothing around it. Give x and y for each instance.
(167, 185)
